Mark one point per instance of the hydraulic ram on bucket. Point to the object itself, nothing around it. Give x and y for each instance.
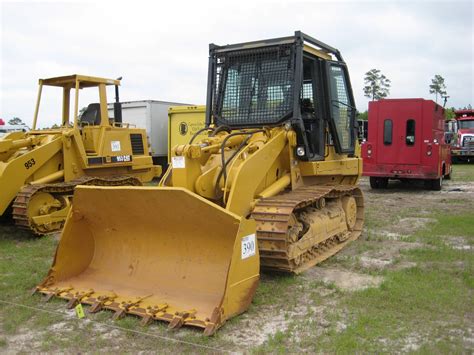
(159, 253)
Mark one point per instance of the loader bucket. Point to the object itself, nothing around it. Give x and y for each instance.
(159, 253)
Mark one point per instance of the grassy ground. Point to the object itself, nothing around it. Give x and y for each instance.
(405, 286)
(429, 300)
(463, 172)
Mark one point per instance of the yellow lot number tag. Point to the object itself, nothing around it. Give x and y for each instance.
(79, 311)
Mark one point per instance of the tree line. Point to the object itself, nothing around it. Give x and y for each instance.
(377, 86)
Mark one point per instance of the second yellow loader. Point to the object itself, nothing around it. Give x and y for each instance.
(272, 185)
(39, 169)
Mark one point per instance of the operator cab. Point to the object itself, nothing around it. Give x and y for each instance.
(295, 80)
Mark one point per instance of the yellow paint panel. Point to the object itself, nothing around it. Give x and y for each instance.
(317, 52)
(184, 122)
(348, 166)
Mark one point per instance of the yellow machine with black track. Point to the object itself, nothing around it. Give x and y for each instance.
(271, 186)
(39, 169)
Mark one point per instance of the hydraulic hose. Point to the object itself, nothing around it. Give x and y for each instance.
(224, 163)
(197, 134)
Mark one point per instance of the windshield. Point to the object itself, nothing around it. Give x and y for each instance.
(254, 86)
(464, 124)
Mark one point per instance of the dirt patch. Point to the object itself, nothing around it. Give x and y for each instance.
(404, 265)
(458, 188)
(387, 235)
(409, 225)
(26, 340)
(386, 255)
(412, 343)
(342, 279)
(381, 254)
(256, 328)
(61, 327)
(385, 205)
(458, 243)
(111, 334)
(374, 263)
(403, 227)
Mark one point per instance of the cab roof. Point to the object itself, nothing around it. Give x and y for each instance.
(309, 43)
(69, 81)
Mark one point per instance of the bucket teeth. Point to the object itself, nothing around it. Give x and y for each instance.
(96, 307)
(151, 313)
(119, 314)
(211, 326)
(72, 303)
(99, 303)
(124, 307)
(210, 329)
(77, 298)
(179, 319)
(146, 320)
(121, 307)
(56, 292)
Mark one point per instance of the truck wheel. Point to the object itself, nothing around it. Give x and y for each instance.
(374, 182)
(378, 182)
(448, 176)
(436, 184)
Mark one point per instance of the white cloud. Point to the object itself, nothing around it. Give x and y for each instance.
(161, 48)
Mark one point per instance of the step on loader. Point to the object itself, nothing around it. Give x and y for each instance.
(39, 169)
(272, 186)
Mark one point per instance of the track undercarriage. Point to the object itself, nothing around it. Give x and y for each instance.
(301, 228)
(43, 208)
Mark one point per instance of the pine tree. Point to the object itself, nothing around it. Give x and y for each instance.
(438, 87)
(377, 85)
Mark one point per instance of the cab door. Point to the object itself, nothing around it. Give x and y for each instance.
(409, 140)
(399, 129)
(342, 110)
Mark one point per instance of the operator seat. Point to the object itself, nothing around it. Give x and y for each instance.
(91, 116)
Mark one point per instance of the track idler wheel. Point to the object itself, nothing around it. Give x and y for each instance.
(349, 206)
(43, 204)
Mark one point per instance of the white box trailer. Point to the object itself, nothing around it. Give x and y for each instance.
(7, 128)
(151, 115)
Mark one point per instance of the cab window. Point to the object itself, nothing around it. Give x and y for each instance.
(387, 131)
(410, 132)
(343, 112)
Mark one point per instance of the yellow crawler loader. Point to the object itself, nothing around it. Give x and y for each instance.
(271, 186)
(39, 169)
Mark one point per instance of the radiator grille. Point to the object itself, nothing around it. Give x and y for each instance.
(136, 140)
(468, 142)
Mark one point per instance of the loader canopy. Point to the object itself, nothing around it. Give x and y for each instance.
(76, 83)
(159, 253)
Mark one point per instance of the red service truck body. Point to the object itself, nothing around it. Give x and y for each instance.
(406, 141)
